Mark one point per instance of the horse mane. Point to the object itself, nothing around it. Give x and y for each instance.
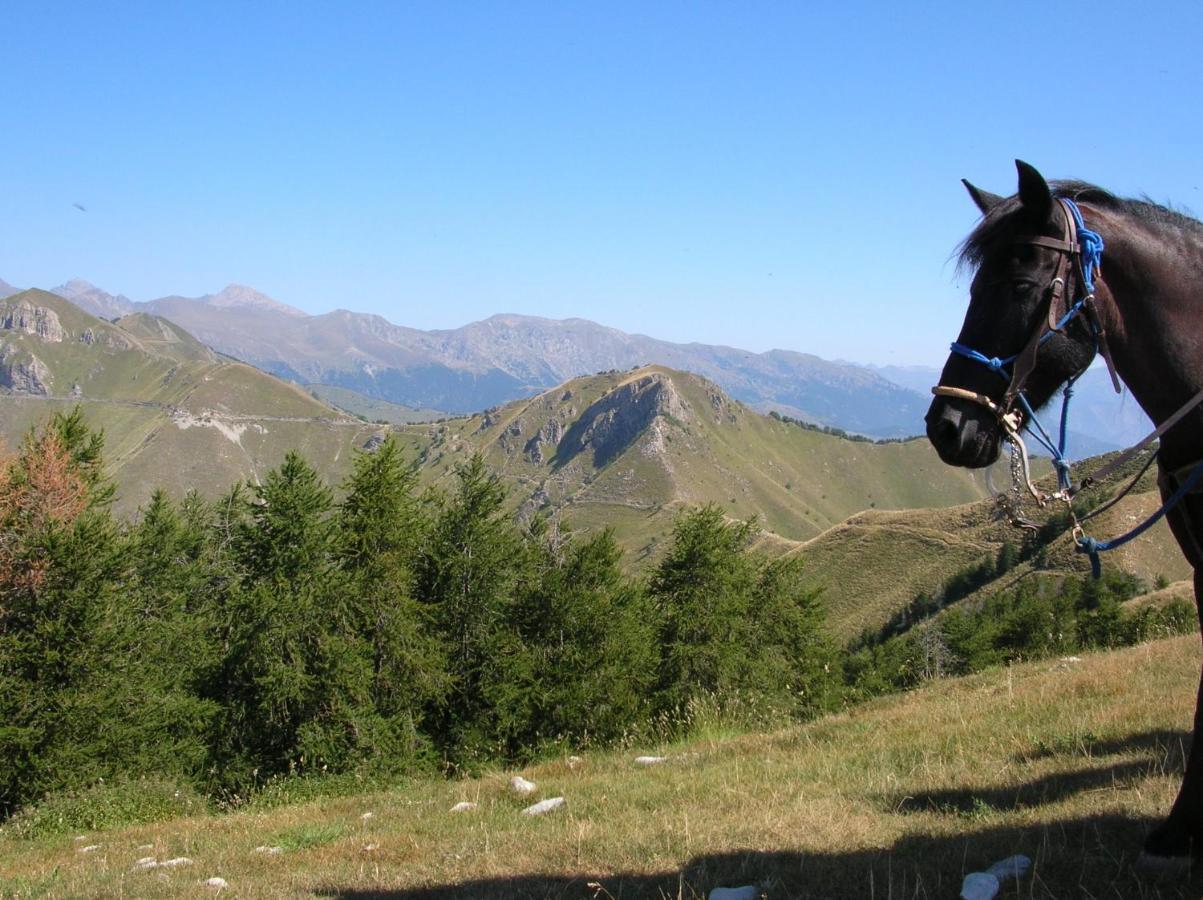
(999, 224)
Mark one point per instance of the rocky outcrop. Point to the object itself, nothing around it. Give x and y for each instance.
(615, 421)
(40, 321)
(107, 337)
(550, 434)
(24, 376)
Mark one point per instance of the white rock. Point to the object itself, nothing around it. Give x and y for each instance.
(574, 761)
(218, 883)
(979, 886)
(543, 806)
(463, 806)
(653, 761)
(1012, 867)
(521, 786)
(90, 848)
(146, 862)
(367, 815)
(747, 892)
(269, 850)
(178, 861)
(80, 837)
(368, 848)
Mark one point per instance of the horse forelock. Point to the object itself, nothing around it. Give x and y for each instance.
(1000, 224)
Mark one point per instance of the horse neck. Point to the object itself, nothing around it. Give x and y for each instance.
(1151, 297)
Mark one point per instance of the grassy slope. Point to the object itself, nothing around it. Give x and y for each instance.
(1068, 763)
(921, 549)
(371, 408)
(175, 414)
(797, 482)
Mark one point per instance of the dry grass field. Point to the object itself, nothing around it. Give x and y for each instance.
(1069, 762)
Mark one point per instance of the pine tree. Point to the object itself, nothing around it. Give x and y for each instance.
(703, 588)
(61, 564)
(590, 632)
(380, 526)
(291, 686)
(469, 572)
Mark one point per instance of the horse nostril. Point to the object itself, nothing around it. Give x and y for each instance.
(944, 434)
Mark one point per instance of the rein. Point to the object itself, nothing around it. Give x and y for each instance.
(1085, 247)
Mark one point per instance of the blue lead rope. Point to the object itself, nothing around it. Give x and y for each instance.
(1093, 548)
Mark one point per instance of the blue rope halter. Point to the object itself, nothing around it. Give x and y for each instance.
(1089, 253)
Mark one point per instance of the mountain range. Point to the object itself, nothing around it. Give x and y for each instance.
(876, 523)
(626, 448)
(507, 357)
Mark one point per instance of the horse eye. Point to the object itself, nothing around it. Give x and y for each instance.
(1024, 253)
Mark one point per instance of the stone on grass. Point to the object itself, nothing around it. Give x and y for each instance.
(543, 806)
(269, 850)
(747, 892)
(147, 862)
(574, 761)
(91, 848)
(979, 886)
(218, 883)
(986, 885)
(463, 806)
(1012, 867)
(650, 760)
(367, 815)
(521, 786)
(177, 861)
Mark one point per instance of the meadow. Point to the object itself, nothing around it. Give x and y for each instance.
(1069, 761)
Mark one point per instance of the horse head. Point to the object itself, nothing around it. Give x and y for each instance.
(1021, 338)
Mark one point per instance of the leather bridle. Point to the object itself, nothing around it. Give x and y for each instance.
(1060, 291)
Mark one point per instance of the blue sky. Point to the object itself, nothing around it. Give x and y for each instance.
(761, 175)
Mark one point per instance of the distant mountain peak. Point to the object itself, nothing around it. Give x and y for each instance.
(73, 287)
(93, 299)
(242, 295)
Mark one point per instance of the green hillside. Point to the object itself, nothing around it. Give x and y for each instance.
(901, 797)
(175, 414)
(630, 449)
(372, 408)
(874, 563)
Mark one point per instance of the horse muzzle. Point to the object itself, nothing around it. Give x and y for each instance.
(964, 434)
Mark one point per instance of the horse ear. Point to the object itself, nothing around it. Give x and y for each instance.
(1034, 194)
(984, 200)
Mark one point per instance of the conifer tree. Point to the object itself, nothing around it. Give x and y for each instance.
(291, 685)
(380, 526)
(469, 572)
(703, 588)
(591, 634)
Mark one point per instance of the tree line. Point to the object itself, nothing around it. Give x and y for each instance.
(288, 628)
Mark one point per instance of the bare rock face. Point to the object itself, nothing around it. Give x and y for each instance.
(39, 321)
(551, 433)
(615, 421)
(24, 376)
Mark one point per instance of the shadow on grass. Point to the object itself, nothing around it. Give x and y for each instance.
(976, 802)
(1087, 857)
(1169, 746)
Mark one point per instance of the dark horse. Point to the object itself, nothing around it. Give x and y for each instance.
(1147, 309)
